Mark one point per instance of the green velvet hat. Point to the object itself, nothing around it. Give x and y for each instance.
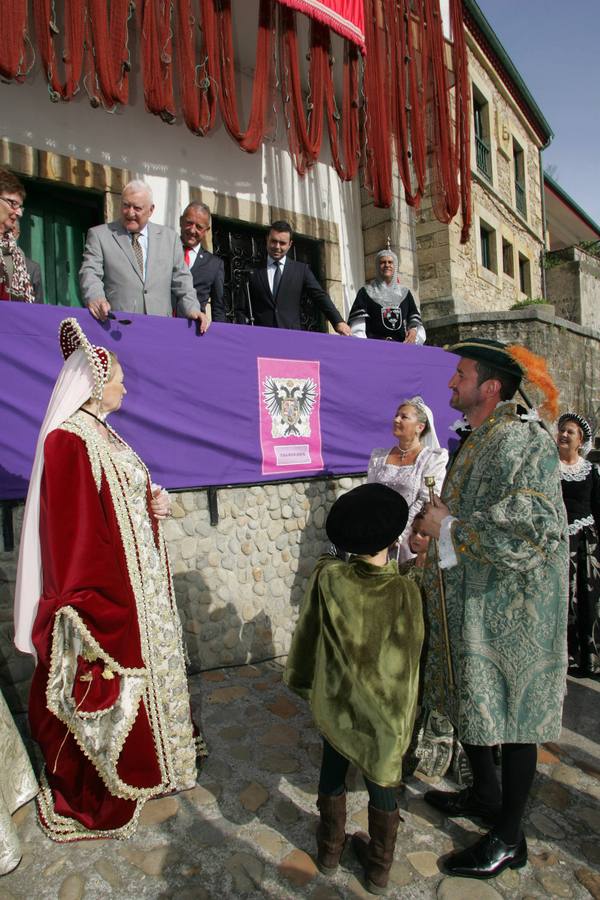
(490, 353)
(367, 519)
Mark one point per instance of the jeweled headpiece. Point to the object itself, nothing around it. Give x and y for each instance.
(387, 251)
(72, 337)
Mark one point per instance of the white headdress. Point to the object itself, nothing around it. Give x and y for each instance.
(84, 374)
(430, 438)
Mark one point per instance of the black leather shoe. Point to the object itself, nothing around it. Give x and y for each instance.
(487, 858)
(463, 803)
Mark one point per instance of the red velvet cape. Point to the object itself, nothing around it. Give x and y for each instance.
(83, 565)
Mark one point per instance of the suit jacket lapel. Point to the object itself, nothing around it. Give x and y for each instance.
(152, 257)
(264, 278)
(123, 239)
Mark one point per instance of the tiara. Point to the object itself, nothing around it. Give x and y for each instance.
(72, 337)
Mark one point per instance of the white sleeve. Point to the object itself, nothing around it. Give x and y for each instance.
(447, 556)
(359, 326)
(421, 335)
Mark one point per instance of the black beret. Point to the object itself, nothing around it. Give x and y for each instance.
(490, 353)
(367, 519)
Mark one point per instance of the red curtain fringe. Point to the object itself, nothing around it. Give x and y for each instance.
(406, 106)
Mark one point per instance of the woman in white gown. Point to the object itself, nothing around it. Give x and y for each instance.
(403, 467)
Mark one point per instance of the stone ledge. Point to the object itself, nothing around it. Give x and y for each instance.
(539, 312)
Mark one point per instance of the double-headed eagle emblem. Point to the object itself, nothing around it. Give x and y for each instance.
(290, 402)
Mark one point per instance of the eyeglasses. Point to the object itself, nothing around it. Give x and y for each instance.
(14, 204)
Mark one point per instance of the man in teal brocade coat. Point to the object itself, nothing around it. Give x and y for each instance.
(503, 549)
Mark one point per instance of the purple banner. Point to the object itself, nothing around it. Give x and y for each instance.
(192, 409)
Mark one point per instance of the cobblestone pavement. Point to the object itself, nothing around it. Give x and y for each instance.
(247, 829)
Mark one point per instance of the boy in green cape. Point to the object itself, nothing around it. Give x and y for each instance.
(355, 658)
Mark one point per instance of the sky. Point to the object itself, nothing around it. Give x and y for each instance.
(555, 46)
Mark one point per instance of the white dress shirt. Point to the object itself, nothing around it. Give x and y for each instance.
(271, 266)
(143, 241)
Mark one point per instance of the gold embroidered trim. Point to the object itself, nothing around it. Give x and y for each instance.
(101, 460)
(60, 703)
(64, 830)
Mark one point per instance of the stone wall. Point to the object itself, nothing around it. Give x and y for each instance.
(396, 223)
(573, 285)
(452, 278)
(572, 351)
(238, 583)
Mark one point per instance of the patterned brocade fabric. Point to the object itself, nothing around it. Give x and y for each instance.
(506, 597)
(17, 786)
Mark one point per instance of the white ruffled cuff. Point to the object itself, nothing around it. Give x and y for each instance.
(447, 556)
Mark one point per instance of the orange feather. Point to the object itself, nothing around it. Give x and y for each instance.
(536, 371)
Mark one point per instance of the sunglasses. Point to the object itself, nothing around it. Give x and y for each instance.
(111, 315)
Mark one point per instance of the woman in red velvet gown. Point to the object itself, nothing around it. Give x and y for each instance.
(109, 703)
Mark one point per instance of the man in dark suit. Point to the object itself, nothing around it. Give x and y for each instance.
(207, 269)
(276, 290)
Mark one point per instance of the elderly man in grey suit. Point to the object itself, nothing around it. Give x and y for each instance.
(136, 266)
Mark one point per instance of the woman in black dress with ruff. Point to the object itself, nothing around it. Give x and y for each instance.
(580, 481)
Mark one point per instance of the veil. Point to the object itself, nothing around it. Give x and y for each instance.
(430, 438)
(74, 385)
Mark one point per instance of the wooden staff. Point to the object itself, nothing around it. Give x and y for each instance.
(430, 483)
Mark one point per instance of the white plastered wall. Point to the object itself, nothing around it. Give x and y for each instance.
(172, 159)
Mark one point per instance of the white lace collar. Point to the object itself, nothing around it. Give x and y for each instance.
(579, 471)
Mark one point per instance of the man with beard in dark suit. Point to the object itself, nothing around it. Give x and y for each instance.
(277, 289)
(207, 269)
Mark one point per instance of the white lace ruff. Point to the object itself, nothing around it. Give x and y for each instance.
(579, 471)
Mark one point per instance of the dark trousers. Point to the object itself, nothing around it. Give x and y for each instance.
(518, 771)
(332, 781)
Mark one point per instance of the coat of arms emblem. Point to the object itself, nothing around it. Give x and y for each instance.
(391, 316)
(289, 402)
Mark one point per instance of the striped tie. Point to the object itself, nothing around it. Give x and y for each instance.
(137, 252)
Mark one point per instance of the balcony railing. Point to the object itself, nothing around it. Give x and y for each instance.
(484, 159)
(520, 199)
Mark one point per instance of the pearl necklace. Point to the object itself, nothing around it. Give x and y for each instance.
(404, 453)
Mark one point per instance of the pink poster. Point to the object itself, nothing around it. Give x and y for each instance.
(289, 392)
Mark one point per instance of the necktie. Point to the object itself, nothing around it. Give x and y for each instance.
(276, 277)
(137, 252)
(186, 257)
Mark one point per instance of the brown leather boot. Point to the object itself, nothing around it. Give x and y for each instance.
(331, 833)
(375, 850)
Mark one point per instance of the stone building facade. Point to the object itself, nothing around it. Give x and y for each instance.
(573, 285)
(501, 262)
(572, 351)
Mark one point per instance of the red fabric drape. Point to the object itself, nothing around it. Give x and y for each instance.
(13, 28)
(346, 17)
(197, 89)
(111, 52)
(157, 57)
(408, 103)
(219, 45)
(407, 111)
(72, 54)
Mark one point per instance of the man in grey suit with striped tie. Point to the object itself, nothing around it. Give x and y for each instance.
(135, 266)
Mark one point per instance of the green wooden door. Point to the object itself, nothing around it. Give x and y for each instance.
(53, 230)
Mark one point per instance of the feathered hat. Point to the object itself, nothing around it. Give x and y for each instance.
(515, 360)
